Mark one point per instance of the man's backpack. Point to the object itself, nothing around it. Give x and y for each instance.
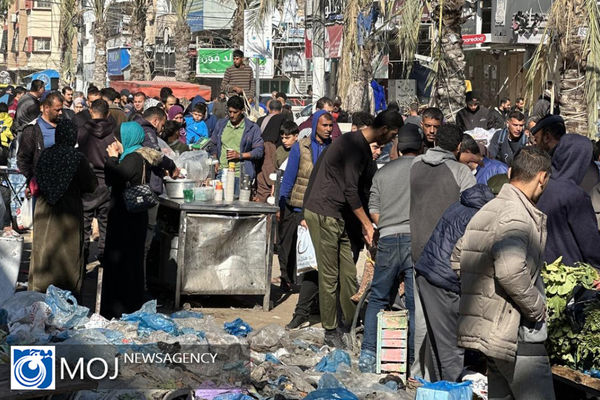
(504, 134)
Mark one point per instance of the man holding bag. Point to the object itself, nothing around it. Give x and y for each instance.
(303, 156)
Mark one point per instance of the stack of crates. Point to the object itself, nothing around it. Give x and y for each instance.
(392, 342)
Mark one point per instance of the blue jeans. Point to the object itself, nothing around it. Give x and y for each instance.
(393, 262)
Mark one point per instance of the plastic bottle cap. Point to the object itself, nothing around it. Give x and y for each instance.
(231, 165)
(219, 186)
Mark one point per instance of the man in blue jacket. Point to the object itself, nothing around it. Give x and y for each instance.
(485, 168)
(303, 157)
(237, 140)
(439, 284)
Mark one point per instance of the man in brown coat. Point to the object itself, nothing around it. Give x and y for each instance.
(503, 305)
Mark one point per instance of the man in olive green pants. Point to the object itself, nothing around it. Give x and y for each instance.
(339, 177)
(335, 263)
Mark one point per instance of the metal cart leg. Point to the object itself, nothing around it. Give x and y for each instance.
(271, 224)
(180, 257)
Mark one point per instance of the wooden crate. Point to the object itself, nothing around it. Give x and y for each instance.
(392, 342)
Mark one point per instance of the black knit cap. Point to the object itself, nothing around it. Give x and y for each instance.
(547, 121)
(409, 137)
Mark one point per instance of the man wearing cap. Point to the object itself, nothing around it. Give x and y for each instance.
(389, 206)
(548, 133)
(473, 115)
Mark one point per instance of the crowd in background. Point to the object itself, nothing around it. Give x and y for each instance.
(464, 223)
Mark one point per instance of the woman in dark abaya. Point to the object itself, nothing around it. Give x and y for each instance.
(128, 164)
(63, 174)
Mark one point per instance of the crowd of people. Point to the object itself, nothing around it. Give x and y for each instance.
(465, 225)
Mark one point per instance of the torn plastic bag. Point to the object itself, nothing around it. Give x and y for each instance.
(66, 314)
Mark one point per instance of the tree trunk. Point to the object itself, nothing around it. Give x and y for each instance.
(183, 37)
(140, 70)
(67, 35)
(449, 83)
(237, 27)
(573, 102)
(100, 56)
(359, 97)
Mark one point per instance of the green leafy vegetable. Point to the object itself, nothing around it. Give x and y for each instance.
(575, 350)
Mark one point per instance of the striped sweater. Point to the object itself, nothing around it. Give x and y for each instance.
(242, 77)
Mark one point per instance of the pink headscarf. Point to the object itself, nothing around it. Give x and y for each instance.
(173, 111)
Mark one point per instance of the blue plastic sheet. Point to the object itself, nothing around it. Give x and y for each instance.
(444, 390)
(271, 358)
(331, 394)
(149, 320)
(329, 381)
(233, 396)
(148, 323)
(66, 314)
(332, 361)
(237, 327)
(187, 314)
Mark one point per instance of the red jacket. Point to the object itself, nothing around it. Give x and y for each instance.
(12, 109)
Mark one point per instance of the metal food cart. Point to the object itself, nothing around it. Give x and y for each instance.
(217, 248)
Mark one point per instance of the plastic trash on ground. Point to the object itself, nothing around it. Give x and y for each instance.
(444, 390)
(21, 300)
(28, 325)
(237, 327)
(331, 394)
(187, 314)
(267, 338)
(66, 314)
(328, 381)
(332, 361)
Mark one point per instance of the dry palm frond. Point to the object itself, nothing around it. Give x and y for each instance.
(570, 45)
(407, 34)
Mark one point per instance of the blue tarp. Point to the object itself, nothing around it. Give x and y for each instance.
(45, 76)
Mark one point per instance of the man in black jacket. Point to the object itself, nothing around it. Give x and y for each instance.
(473, 115)
(93, 139)
(84, 115)
(334, 187)
(28, 107)
(38, 135)
(498, 115)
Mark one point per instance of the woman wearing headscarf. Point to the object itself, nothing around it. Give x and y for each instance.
(63, 174)
(176, 114)
(128, 165)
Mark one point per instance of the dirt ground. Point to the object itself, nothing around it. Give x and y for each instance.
(222, 308)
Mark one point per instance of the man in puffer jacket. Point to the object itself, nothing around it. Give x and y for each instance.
(439, 285)
(502, 302)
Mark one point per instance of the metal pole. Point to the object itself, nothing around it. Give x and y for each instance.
(257, 94)
(318, 27)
